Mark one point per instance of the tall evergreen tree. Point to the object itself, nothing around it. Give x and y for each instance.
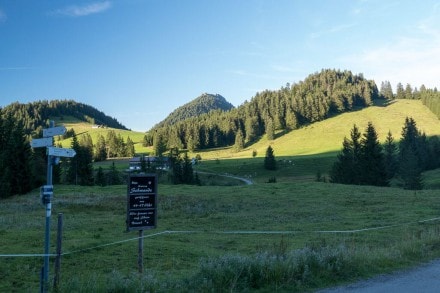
(239, 141)
(100, 177)
(176, 173)
(100, 153)
(390, 156)
(270, 129)
(187, 170)
(15, 158)
(85, 160)
(386, 90)
(113, 176)
(73, 164)
(111, 144)
(348, 167)
(343, 169)
(400, 92)
(410, 156)
(372, 164)
(130, 148)
(159, 144)
(269, 160)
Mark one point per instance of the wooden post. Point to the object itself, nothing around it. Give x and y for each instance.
(56, 279)
(141, 251)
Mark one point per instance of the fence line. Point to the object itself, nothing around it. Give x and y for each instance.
(224, 232)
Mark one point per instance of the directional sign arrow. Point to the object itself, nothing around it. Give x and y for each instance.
(59, 130)
(61, 152)
(42, 142)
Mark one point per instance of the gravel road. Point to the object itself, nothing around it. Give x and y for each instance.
(423, 279)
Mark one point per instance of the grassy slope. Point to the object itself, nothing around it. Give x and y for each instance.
(326, 136)
(304, 152)
(81, 127)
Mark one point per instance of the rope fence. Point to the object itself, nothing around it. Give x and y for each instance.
(223, 232)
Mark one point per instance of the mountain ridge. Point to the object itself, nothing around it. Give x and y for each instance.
(34, 115)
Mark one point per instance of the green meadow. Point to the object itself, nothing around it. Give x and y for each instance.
(208, 236)
(295, 235)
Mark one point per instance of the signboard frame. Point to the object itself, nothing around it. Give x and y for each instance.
(141, 202)
(53, 131)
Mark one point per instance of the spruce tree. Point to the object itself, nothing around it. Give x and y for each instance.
(15, 158)
(372, 164)
(100, 153)
(130, 148)
(390, 156)
(100, 177)
(411, 155)
(270, 129)
(239, 141)
(269, 160)
(113, 176)
(187, 170)
(342, 169)
(73, 164)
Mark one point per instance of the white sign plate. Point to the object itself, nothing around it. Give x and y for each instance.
(59, 130)
(61, 152)
(42, 142)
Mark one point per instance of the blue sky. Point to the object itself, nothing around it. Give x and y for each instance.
(137, 60)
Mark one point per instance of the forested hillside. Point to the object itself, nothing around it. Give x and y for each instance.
(34, 116)
(319, 96)
(201, 105)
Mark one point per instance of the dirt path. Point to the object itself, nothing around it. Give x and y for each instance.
(423, 279)
(245, 180)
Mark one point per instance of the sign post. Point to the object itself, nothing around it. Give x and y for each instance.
(47, 190)
(141, 207)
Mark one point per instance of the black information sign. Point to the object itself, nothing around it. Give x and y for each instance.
(142, 202)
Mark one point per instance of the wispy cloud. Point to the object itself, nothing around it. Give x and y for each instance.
(84, 10)
(332, 30)
(14, 68)
(3, 16)
(410, 59)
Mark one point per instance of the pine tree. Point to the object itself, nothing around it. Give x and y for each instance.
(390, 156)
(73, 164)
(386, 91)
(239, 141)
(410, 156)
(130, 148)
(187, 170)
(100, 153)
(159, 145)
(111, 144)
(113, 176)
(15, 158)
(176, 173)
(372, 165)
(343, 169)
(100, 177)
(400, 92)
(269, 160)
(270, 129)
(85, 160)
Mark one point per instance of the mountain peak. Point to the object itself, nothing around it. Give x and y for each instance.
(203, 104)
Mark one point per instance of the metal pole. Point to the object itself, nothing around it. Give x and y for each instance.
(48, 214)
(141, 251)
(56, 281)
